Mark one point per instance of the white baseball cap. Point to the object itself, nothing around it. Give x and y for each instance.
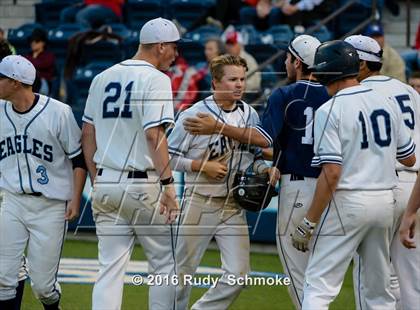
(303, 47)
(18, 68)
(159, 30)
(367, 48)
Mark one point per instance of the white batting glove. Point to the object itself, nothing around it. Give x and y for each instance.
(302, 235)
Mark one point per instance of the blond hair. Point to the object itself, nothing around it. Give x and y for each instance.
(219, 62)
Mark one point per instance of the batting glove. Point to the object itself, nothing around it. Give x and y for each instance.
(302, 235)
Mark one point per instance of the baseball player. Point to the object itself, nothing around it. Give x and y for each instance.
(410, 221)
(42, 179)
(357, 134)
(127, 111)
(6, 51)
(289, 121)
(407, 101)
(210, 163)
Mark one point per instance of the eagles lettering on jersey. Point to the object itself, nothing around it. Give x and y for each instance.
(21, 144)
(289, 121)
(220, 147)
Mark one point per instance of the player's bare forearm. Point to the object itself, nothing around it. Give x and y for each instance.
(409, 161)
(325, 188)
(89, 148)
(158, 149)
(244, 135)
(267, 153)
(414, 201)
(79, 180)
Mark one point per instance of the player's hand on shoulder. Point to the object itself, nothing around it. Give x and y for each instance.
(72, 211)
(168, 204)
(274, 175)
(302, 235)
(202, 124)
(214, 169)
(407, 230)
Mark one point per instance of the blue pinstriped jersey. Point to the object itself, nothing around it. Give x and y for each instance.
(289, 121)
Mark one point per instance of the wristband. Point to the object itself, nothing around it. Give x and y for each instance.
(309, 223)
(167, 181)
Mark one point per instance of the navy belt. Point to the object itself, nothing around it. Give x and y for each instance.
(36, 194)
(296, 177)
(132, 174)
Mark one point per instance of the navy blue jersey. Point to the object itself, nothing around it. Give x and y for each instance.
(289, 121)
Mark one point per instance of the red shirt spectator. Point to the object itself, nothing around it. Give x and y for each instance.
(114, 5)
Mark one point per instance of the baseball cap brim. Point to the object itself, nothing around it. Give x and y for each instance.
(4, 76)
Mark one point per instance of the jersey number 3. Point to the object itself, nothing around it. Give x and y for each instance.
(375, 118)
(110, 108)
(44, 177)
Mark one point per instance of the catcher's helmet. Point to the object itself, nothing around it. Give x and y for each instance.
(335, 60)
(252, 191)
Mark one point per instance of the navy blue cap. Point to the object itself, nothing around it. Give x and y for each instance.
(373, 30)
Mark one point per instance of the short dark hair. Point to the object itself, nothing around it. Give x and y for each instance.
(374, 65)
(38, 34)
(4, 49)
(415, 75)
(305, 67)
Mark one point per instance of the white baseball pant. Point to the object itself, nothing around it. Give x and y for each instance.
(125, 210)
(405, 263)
(204, 218)
(38, 224)
(355, 222)
(294, 201)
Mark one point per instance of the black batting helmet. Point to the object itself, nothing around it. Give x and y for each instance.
(253, 192)
(335, 60)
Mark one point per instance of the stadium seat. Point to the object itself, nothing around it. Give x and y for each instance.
(19, 37)
(47, 12)
(262, 52)
(102, 51)
(138, 12)
(120, 29)
(322, 34)
(58, 40)
(281, 34)
(192, 52)
(78, 87)
(186, 12)
(350, 18)
(249, 34)
(203, 33)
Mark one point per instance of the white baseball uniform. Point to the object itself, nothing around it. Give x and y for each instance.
(361, 130)
(124, 101)
(37, 181)
(208, 209)
(404, 261)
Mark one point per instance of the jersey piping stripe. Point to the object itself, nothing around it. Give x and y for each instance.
(368, 80)
(358, 285)
(310, 83)
(61, 251)
(87, 117)
(175, 151)
(325, 161)
(407, 145)
(353, 93)
(407, 153)
(218, 116)
(17, 159)
(137, 65)
(282, 252)
(76, 152)
(320, 227)
(265, 134)
(159, 122)
(24, 132)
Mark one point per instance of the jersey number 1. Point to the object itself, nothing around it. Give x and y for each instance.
(115, 89)
(374, 120)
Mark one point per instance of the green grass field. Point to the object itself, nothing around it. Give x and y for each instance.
(78, 296)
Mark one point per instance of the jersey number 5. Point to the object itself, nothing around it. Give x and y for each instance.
(110, 108)
(406, 109)
(375, 118)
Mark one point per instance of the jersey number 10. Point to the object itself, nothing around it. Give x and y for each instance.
(115, 89)
(375, 117)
